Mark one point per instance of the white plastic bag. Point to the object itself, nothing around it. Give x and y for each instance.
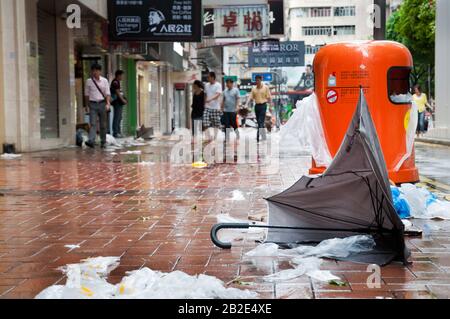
(425, 205)
(88, 281)
(305, 128)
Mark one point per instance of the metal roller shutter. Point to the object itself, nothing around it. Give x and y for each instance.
(48, 75)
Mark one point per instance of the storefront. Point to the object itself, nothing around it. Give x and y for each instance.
(41, 96)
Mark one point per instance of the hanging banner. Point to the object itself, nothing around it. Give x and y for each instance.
(155, 20)
(276, 17)
(286, 54)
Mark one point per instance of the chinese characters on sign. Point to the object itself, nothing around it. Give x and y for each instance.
(154, 20)
(285, 54)
(236, 22)
(254, 18)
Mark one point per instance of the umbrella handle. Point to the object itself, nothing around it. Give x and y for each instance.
(219, 227)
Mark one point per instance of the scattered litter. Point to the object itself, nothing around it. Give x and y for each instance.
(400, 203)
(338, 283)
(147, 164)
(88, 281)
(306, 259)
(199, 165)
(10, 156)
(72, 247)
(110, 140)
(237, 196)
(131, 153)
(417, 202)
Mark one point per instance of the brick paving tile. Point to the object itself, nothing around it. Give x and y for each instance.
(160, 217)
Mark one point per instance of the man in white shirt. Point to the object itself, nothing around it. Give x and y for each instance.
(98, 97)
(213, 112)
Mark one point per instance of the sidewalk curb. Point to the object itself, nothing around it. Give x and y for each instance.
(433, 141)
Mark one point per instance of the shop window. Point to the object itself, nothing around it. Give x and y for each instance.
(399, 88)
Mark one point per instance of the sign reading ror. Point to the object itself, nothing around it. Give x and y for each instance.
(155, 20)
(283, 54)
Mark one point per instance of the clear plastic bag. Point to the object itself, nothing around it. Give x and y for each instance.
(305, 130)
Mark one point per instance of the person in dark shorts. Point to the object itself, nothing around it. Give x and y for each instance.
(230, 107)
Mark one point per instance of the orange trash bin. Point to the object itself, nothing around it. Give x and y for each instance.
(383, 69)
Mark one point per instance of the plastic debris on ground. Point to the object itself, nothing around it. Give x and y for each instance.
(199, 165)
(10, 156)
(131, 153)
(238, 234)
(88, 281)
(72, 247)
(305, 129)
(306, 259)
(237, 196)
(417, 202)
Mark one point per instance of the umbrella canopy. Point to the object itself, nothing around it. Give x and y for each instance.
(353, 196)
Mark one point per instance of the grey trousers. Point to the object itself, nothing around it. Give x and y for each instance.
(98, 111)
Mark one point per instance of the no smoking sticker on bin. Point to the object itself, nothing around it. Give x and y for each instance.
(332, 97)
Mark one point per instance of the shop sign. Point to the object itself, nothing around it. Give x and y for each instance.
(241, 22)
(155, 20)
(267, 77)
(275, 20)
(284, 54)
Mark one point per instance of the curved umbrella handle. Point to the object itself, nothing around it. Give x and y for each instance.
(219, 227)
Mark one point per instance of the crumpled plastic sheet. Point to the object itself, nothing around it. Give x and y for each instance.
(424, 204)
(88, 281)
(238, 196)
(306, 259)
(306, 130)
(303, 266)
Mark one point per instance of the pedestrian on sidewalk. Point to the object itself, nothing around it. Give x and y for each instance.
(198, 106)
(230, 107)
(421, 101)
(119, 101)
(213, 114)
(98, 98)
(262, 98)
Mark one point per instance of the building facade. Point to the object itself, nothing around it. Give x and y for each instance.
(44, 64)
(38, 91)
(320, 22)
(442, 125)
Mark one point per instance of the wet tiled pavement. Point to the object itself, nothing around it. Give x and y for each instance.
(159, 215)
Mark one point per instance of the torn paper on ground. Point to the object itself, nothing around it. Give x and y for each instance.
(88, 281)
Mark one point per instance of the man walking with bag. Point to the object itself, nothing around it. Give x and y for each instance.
(98, 97)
